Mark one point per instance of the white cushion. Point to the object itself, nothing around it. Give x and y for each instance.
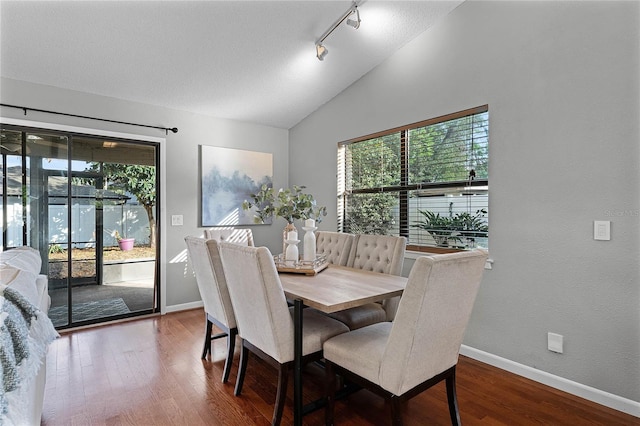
(24, 258)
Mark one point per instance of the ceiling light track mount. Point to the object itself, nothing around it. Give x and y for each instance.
(321, 50)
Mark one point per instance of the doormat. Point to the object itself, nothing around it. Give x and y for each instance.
(88, 310)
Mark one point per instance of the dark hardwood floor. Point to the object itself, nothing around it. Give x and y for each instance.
(149, 372)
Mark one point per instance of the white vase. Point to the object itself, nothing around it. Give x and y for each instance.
(309, 246)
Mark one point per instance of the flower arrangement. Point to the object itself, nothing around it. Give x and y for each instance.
(289, 204)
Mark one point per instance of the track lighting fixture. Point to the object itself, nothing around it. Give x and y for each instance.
(322, 51)
(354, 23)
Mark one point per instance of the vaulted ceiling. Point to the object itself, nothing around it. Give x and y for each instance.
(252, 61)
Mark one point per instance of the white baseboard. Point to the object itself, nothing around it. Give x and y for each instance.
(184, 306)
(592, 394)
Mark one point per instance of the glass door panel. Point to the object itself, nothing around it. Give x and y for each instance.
(124, 203)
(47, 219)
(12, 196)
(77, 198)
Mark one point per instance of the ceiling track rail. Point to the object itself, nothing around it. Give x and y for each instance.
(25, 109)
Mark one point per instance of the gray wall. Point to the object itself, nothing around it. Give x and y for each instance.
(182, 159)
(561, 82)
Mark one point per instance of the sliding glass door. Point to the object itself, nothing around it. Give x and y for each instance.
(87, 203)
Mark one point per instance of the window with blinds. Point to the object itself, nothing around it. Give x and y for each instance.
(427, 181)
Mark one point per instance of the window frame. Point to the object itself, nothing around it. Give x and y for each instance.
(404, 188)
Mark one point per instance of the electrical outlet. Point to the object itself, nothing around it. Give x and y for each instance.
(555, 342)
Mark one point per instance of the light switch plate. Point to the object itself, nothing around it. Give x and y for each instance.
(176, 220)
(602, 230)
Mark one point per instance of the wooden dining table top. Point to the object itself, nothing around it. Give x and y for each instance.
(338, 288)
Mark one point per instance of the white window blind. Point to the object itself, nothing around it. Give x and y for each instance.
(427, 181)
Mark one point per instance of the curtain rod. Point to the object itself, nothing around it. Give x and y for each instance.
(25, 109)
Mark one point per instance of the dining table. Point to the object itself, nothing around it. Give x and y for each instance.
(333, 289)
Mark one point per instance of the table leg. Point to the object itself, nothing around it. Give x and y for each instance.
(297, 364)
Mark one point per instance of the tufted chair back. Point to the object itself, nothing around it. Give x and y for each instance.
(378, 253)
(336, 246)
(233, 235)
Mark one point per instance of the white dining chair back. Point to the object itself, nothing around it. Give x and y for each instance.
(205, 260)
(242, 236)
(432, 317)
(378, 253)
(335, 246)
(421, 347)
(265, 321)
(260, 304)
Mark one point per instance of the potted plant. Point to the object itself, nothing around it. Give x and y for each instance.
(125, 244)
(460, 228)
(289, 204)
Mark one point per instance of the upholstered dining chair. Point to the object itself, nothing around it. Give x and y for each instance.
(377, 253)
(207, 266)
(265, 323)
(420, 348)
(242, 236)
(335, 246)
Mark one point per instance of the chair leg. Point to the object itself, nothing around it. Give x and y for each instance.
(207, 337)
(396, 411)
(453, 399)
(231, 345)
(330, 392)
(244, 355)
(283, 378)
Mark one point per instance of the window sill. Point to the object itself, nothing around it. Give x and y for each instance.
(414, 252)
(420, 250)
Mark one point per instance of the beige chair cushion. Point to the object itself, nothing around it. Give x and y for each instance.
(336, 246)
(210, 277)
(361, 316)
(425, 338)
(233, 235)
(361, 350)
(263, 316)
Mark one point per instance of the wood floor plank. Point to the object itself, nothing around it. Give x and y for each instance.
(149, 372)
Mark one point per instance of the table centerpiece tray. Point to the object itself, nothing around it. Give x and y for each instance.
(306, 267)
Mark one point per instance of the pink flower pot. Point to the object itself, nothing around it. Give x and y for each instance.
(126, 244)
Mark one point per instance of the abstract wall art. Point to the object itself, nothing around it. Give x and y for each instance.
(228, 177)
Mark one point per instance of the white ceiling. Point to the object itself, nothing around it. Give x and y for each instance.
(252, 61)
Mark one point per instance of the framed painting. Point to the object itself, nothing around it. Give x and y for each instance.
(228, 177)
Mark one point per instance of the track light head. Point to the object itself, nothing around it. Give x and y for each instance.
(355, 23)
(321, 51)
